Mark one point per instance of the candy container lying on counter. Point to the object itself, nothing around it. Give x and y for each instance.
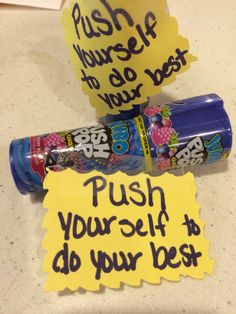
(190, 132)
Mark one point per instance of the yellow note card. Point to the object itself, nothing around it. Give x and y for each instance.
(124, 51)
(113, 229)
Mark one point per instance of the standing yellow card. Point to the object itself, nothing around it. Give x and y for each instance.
(124, 51)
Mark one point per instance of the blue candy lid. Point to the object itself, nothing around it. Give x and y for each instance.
(19, 163)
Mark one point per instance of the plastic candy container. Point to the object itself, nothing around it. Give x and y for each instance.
(182, 134)
(124, 115)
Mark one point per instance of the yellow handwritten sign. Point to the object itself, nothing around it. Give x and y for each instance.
(124, 51)
(104, 230)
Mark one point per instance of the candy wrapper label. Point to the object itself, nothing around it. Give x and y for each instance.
(124, 51)
(105, 230)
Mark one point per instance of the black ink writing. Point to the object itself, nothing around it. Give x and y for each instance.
(192, 226)
(99, 184)
(65, 262)
(163, 257)
(92, 82)
(79, 226)
(117, 261)
(117, 79)
(143, 228)
(96, 26)
(190, 256)
(174, 64)
(96, 187)
(121, 98)
(96, 18)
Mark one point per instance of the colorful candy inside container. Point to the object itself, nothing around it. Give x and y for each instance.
(182, 134)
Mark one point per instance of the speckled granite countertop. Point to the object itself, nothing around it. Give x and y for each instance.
(39, 93)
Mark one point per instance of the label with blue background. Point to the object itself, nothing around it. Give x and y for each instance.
(182, 134)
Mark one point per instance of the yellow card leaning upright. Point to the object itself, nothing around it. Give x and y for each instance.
(109, 229)
(124, 51)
